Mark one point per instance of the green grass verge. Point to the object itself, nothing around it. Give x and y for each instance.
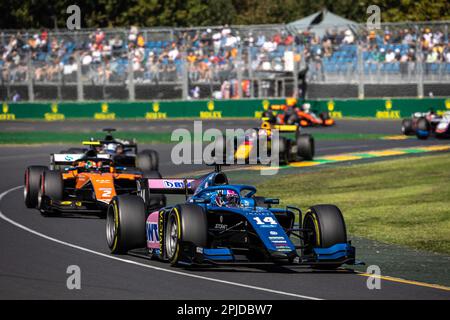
(402, 201)
(38, 137)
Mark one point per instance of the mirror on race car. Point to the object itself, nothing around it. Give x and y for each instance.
(202, 200)
(271, 201)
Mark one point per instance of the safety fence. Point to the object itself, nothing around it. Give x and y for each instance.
(210, 109)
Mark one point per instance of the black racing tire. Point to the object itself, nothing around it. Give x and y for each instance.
(284, 147)
(407, 127)
(125, 224)
(51, 188)
(152, 202)
(328, 228)
(31, 185)
(147, 160)
(305, 146)
(270, 116)
(423, 128)
(325, 115)
(292, 119)
(186, 228)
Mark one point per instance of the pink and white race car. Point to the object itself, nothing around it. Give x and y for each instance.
(423, 125)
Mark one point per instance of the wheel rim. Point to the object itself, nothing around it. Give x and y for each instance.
(172, 237)
(308, 223)
(110, 227)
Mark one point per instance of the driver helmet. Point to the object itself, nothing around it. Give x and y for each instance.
(111, 148)
(306, 107)
(227, 198)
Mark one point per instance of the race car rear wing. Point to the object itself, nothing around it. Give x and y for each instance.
(172, 186)
(69, 158)
(279, 127)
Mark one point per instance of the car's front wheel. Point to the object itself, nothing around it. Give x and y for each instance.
(326, 228)
(51, 189)
(31, 185)
(407, 127)
(125, 224)
(186, 228)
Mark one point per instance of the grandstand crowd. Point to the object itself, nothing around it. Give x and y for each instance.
(211, 55)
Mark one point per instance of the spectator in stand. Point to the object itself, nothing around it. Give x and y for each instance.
(447, 53)
(349, 37)
(390, 56)
(116, 46)
(152, 66)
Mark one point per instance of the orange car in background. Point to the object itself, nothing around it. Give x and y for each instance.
(86, 186)
(290, 113)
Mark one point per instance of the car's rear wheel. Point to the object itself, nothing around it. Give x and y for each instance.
(186, 228)
(292, 119)
(31, 185)
(147, 160)
(283, 151)
(305, 146)
(327, 228)
(125, 224)
(423, 129)
(407, 127)
(269, 116)
(152, 202)
(51, 189)
(324, 116)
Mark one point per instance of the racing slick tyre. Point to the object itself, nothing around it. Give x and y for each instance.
(292, 119)
(31, 185)
(324, 116)
(152, 202)
(327, 229)
(147, 160)
(284, 148)
(305, 146)
(407, 127)
(423, 129)
(269, 116)
(125, 224)
(186, 228)
(51, 188)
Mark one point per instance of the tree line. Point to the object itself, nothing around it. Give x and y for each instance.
(23, 14)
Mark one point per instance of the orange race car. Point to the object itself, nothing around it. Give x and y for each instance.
(290, 113)
(86, 186)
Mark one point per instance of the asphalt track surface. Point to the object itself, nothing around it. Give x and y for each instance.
(35, 251)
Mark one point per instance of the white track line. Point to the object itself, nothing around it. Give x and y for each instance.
(2, 216)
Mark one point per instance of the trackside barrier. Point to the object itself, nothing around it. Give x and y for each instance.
(210, 109)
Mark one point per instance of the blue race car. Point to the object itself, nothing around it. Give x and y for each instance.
(222, 223)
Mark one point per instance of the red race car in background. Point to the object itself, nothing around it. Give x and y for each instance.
(290, 113)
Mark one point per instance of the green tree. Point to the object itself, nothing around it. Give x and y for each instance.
(21, 14)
